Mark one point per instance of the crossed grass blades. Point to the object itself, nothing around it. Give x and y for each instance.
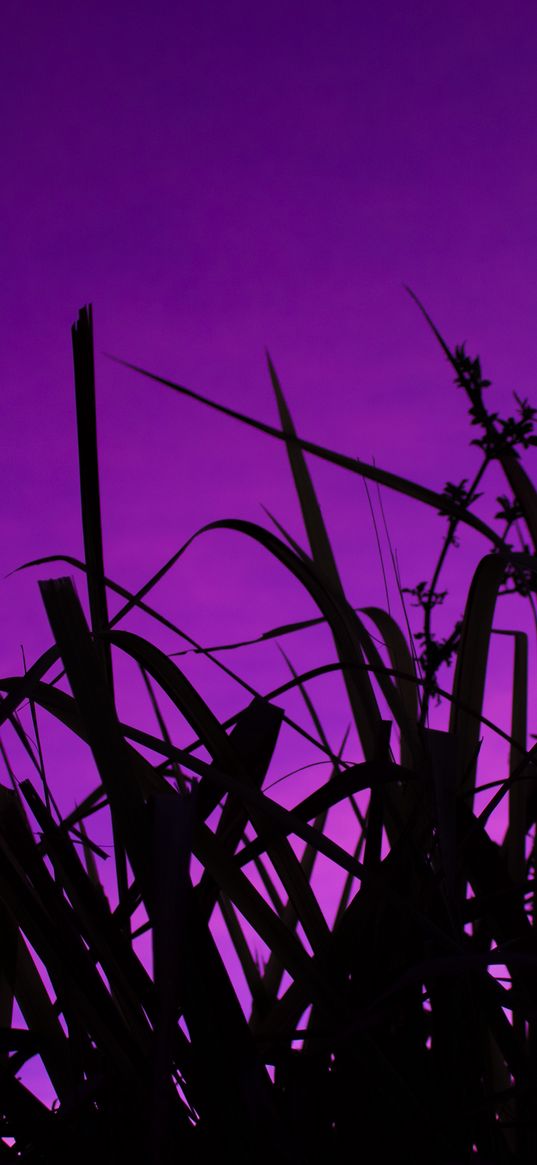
(387, 1036)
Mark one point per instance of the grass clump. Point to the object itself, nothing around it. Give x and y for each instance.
(389, 1031)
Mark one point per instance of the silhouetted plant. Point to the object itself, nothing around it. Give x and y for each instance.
(386, 1034)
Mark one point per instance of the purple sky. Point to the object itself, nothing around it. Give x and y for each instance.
(220, 177)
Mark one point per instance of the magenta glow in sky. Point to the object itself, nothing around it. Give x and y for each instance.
(220, 177)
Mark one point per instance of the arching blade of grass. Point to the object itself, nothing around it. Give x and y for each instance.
(6, 708)
(274, 633)
(348, 632)
(338, 621)
(134, 601)
(326, 668)
(25, 686)
(183, 694)
(471, 666)
(288, 537)
(340, 786)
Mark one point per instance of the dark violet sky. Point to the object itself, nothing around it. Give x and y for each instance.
(217, 177)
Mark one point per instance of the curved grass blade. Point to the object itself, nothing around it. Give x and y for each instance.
(288, 537)
(324, 601)
(136, 601)
(24, 686)
(349, 636)
(183, 694)
(523, 560)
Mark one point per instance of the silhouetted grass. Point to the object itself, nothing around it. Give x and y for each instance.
(386, 1036)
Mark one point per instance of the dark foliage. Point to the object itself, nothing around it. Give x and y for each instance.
(387, 1034)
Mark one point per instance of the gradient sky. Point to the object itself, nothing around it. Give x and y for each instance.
(217, 178)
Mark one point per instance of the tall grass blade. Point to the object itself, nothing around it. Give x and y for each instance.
(471, 666)
(82, 336)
